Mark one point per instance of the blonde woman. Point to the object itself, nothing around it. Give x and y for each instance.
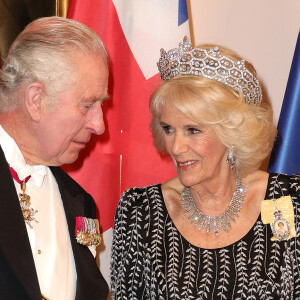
(209, 232)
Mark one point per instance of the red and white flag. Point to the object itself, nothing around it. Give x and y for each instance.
(133, 32)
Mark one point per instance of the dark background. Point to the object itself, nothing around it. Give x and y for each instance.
(16, 14)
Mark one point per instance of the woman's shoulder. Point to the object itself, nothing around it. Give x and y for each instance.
(136, 204)
(282, 184)
(282, 178)
(135, 196)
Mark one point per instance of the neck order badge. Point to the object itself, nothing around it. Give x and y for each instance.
(28, 212)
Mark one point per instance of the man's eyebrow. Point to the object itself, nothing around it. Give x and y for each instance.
(95, 99)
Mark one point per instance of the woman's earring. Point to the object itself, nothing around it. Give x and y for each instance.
(231, 158)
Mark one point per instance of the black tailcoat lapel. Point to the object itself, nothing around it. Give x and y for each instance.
(18, 277)
(90, 282)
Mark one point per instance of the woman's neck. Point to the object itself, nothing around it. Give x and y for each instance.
(212, 197)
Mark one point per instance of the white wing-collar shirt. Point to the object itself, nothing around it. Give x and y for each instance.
(49, 238)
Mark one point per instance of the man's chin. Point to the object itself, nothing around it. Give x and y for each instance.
(68, 159)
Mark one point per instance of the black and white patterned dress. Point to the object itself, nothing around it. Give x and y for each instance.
(152, 260)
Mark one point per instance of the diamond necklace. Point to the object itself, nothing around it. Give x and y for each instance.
(223, 220)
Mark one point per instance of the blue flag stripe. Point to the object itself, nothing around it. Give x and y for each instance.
(182, 12)
(285, 157)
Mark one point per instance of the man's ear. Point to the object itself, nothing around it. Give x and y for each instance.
(34, 94)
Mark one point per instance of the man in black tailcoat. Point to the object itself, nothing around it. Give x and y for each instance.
(52, 85)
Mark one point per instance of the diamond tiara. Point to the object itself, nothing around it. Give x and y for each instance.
(187, 60)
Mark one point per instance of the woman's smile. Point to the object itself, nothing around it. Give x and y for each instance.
(185, 165)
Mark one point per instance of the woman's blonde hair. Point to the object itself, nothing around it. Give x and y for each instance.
(249, 129)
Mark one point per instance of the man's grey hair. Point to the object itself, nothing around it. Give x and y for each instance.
(45, 51)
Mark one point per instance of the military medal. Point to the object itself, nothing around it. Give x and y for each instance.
(24, 199)
(87, 231)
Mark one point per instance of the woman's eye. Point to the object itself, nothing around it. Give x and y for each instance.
(194, 130)
(167, 129)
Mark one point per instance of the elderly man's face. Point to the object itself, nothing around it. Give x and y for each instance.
(66, 130)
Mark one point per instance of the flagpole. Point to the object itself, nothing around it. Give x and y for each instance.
(61, 8)
(191, 28)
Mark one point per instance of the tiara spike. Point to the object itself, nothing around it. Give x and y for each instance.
(211, 64)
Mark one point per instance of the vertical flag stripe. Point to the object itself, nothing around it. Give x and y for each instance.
(182, 12)
(285, 156)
